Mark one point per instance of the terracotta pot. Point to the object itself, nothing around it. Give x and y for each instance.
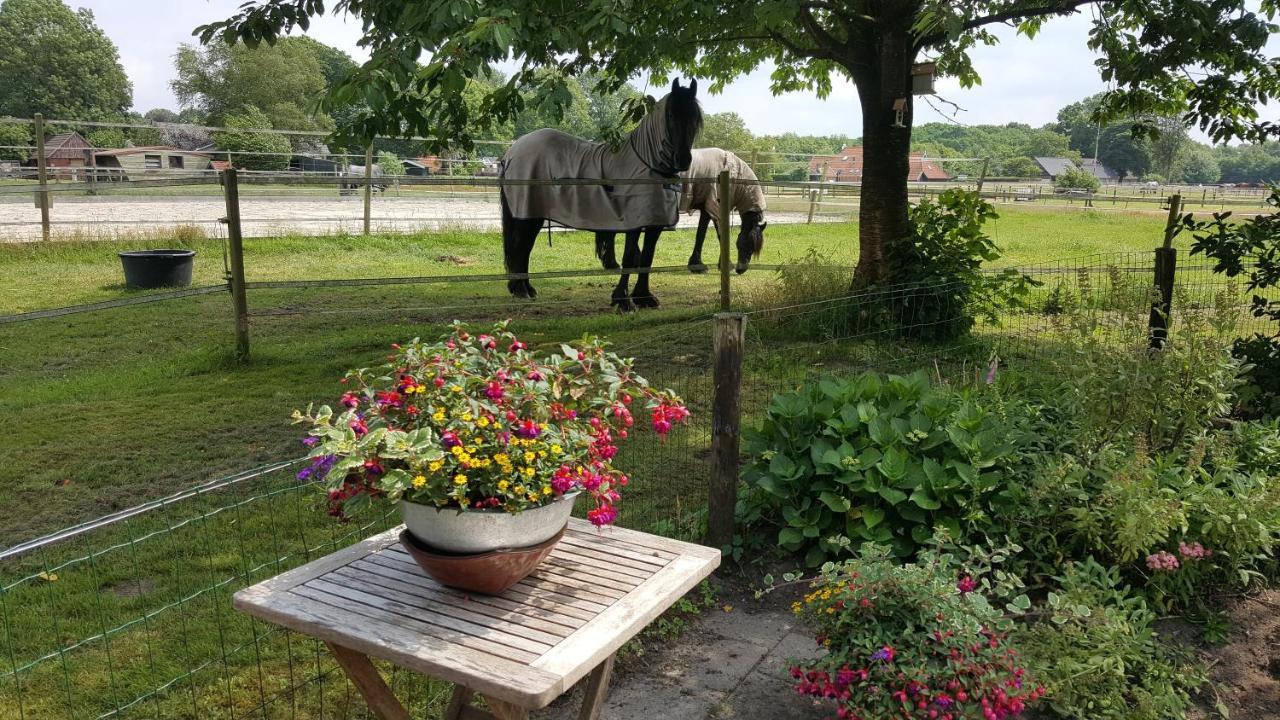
(489, 573)
(455, 531)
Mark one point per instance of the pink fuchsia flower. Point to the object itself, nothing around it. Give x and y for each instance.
(603, 515)
(1162, 562)
(359, 427)
(535, 376)
(449, 439)
(494, 390)
(966, 585)
(350, 400)
(528, 429)
(516, 346)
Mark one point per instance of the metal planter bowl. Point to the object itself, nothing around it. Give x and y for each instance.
(479, 531)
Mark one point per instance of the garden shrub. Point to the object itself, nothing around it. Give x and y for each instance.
(939, 288)
(918, 640)
(879, 458)
(1077, 179)
(810, 300)
(1099, 656)
(1250, 248)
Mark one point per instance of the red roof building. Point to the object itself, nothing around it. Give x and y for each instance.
(847, 165)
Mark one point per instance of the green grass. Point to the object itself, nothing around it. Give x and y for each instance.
(107, 409)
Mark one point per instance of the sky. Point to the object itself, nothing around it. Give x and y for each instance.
(1023, 81)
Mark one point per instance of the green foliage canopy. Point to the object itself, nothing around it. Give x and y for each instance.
(253, 150)
(58, 62)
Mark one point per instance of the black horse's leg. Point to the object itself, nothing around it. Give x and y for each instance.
(642, 297)
(605, 250)
(524, 236)
(695, 260)
(630, 259)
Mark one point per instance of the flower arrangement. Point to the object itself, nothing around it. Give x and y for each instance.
(477, 421)
(909, 641)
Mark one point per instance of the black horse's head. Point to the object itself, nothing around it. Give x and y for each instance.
(750, 238)
(684, 121)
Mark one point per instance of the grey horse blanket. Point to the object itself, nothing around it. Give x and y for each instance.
(552, 155)
(707, 163)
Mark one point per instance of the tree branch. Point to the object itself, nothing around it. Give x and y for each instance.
(1060, 7)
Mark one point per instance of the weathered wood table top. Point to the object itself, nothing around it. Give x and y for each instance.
(596, 590)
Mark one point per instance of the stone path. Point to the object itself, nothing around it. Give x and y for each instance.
(726, 666)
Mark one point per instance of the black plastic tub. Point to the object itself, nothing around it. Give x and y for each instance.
(157, 268)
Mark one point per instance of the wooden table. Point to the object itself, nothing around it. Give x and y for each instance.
(519, 650)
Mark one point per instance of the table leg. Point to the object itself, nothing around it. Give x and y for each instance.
(597, 690)
(504, 710)
(365, 677)
(460, 701)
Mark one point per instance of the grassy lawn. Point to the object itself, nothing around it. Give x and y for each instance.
(108, 409)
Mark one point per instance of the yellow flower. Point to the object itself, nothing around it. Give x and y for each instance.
(542, 426)
(435, 465)
(529, 472)
(438, 416)
(459, 479)
(557, 449)
(503, 485)
(467, 417)
(529, 456)
(519, 489)
(546, 490)
(456, 388)
(483, 422)
(502, 459)
(464, 458)
(542, 454)
(456, 450)
(419, 481)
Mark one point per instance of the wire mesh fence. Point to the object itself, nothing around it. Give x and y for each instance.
(130, 615)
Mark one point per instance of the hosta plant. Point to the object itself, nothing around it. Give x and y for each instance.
(477, 420)
(880, 458)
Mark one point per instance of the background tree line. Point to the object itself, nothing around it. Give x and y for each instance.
(278, 86)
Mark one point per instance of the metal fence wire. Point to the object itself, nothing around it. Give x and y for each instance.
(130, 616)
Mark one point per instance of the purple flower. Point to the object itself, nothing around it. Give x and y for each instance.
(318, 468)
(310, 441)
(884, 654)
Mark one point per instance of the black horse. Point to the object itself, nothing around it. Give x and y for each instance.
(747, 200)
(658, 149)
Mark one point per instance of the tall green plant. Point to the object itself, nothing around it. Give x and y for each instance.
(878, 458)
(942, 287)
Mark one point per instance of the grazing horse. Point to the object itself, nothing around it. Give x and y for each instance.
(658, 149)
(748, 201)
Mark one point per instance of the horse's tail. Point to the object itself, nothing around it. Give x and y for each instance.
(508, 231)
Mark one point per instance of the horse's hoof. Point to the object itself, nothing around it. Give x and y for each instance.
(645, 301)
(609, 264)
(623, 305)
(697, 268)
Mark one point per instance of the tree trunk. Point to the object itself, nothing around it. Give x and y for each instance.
(886, 141)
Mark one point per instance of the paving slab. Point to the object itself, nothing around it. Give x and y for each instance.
(725, 666)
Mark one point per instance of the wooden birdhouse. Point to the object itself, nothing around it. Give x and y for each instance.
(922, 76)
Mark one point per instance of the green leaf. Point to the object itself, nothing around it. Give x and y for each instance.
(872, 516)
(790, 538)
(782, 467)
(893, 496)
(835, 502)
(894, 464)
(923, 499)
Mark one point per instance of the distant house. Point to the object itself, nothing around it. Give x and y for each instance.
(65, 150)
(1098, 170)
(314, 164)
(134, 161)
(423, 166)
(1055, 166)
(847, 166)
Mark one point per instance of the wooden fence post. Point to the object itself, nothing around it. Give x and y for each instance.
(42, 177)
(725, 190)
(813, 201)
(722, 497)
(1165, 269)
(982, 176)
(231, 190)
(368, 186)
